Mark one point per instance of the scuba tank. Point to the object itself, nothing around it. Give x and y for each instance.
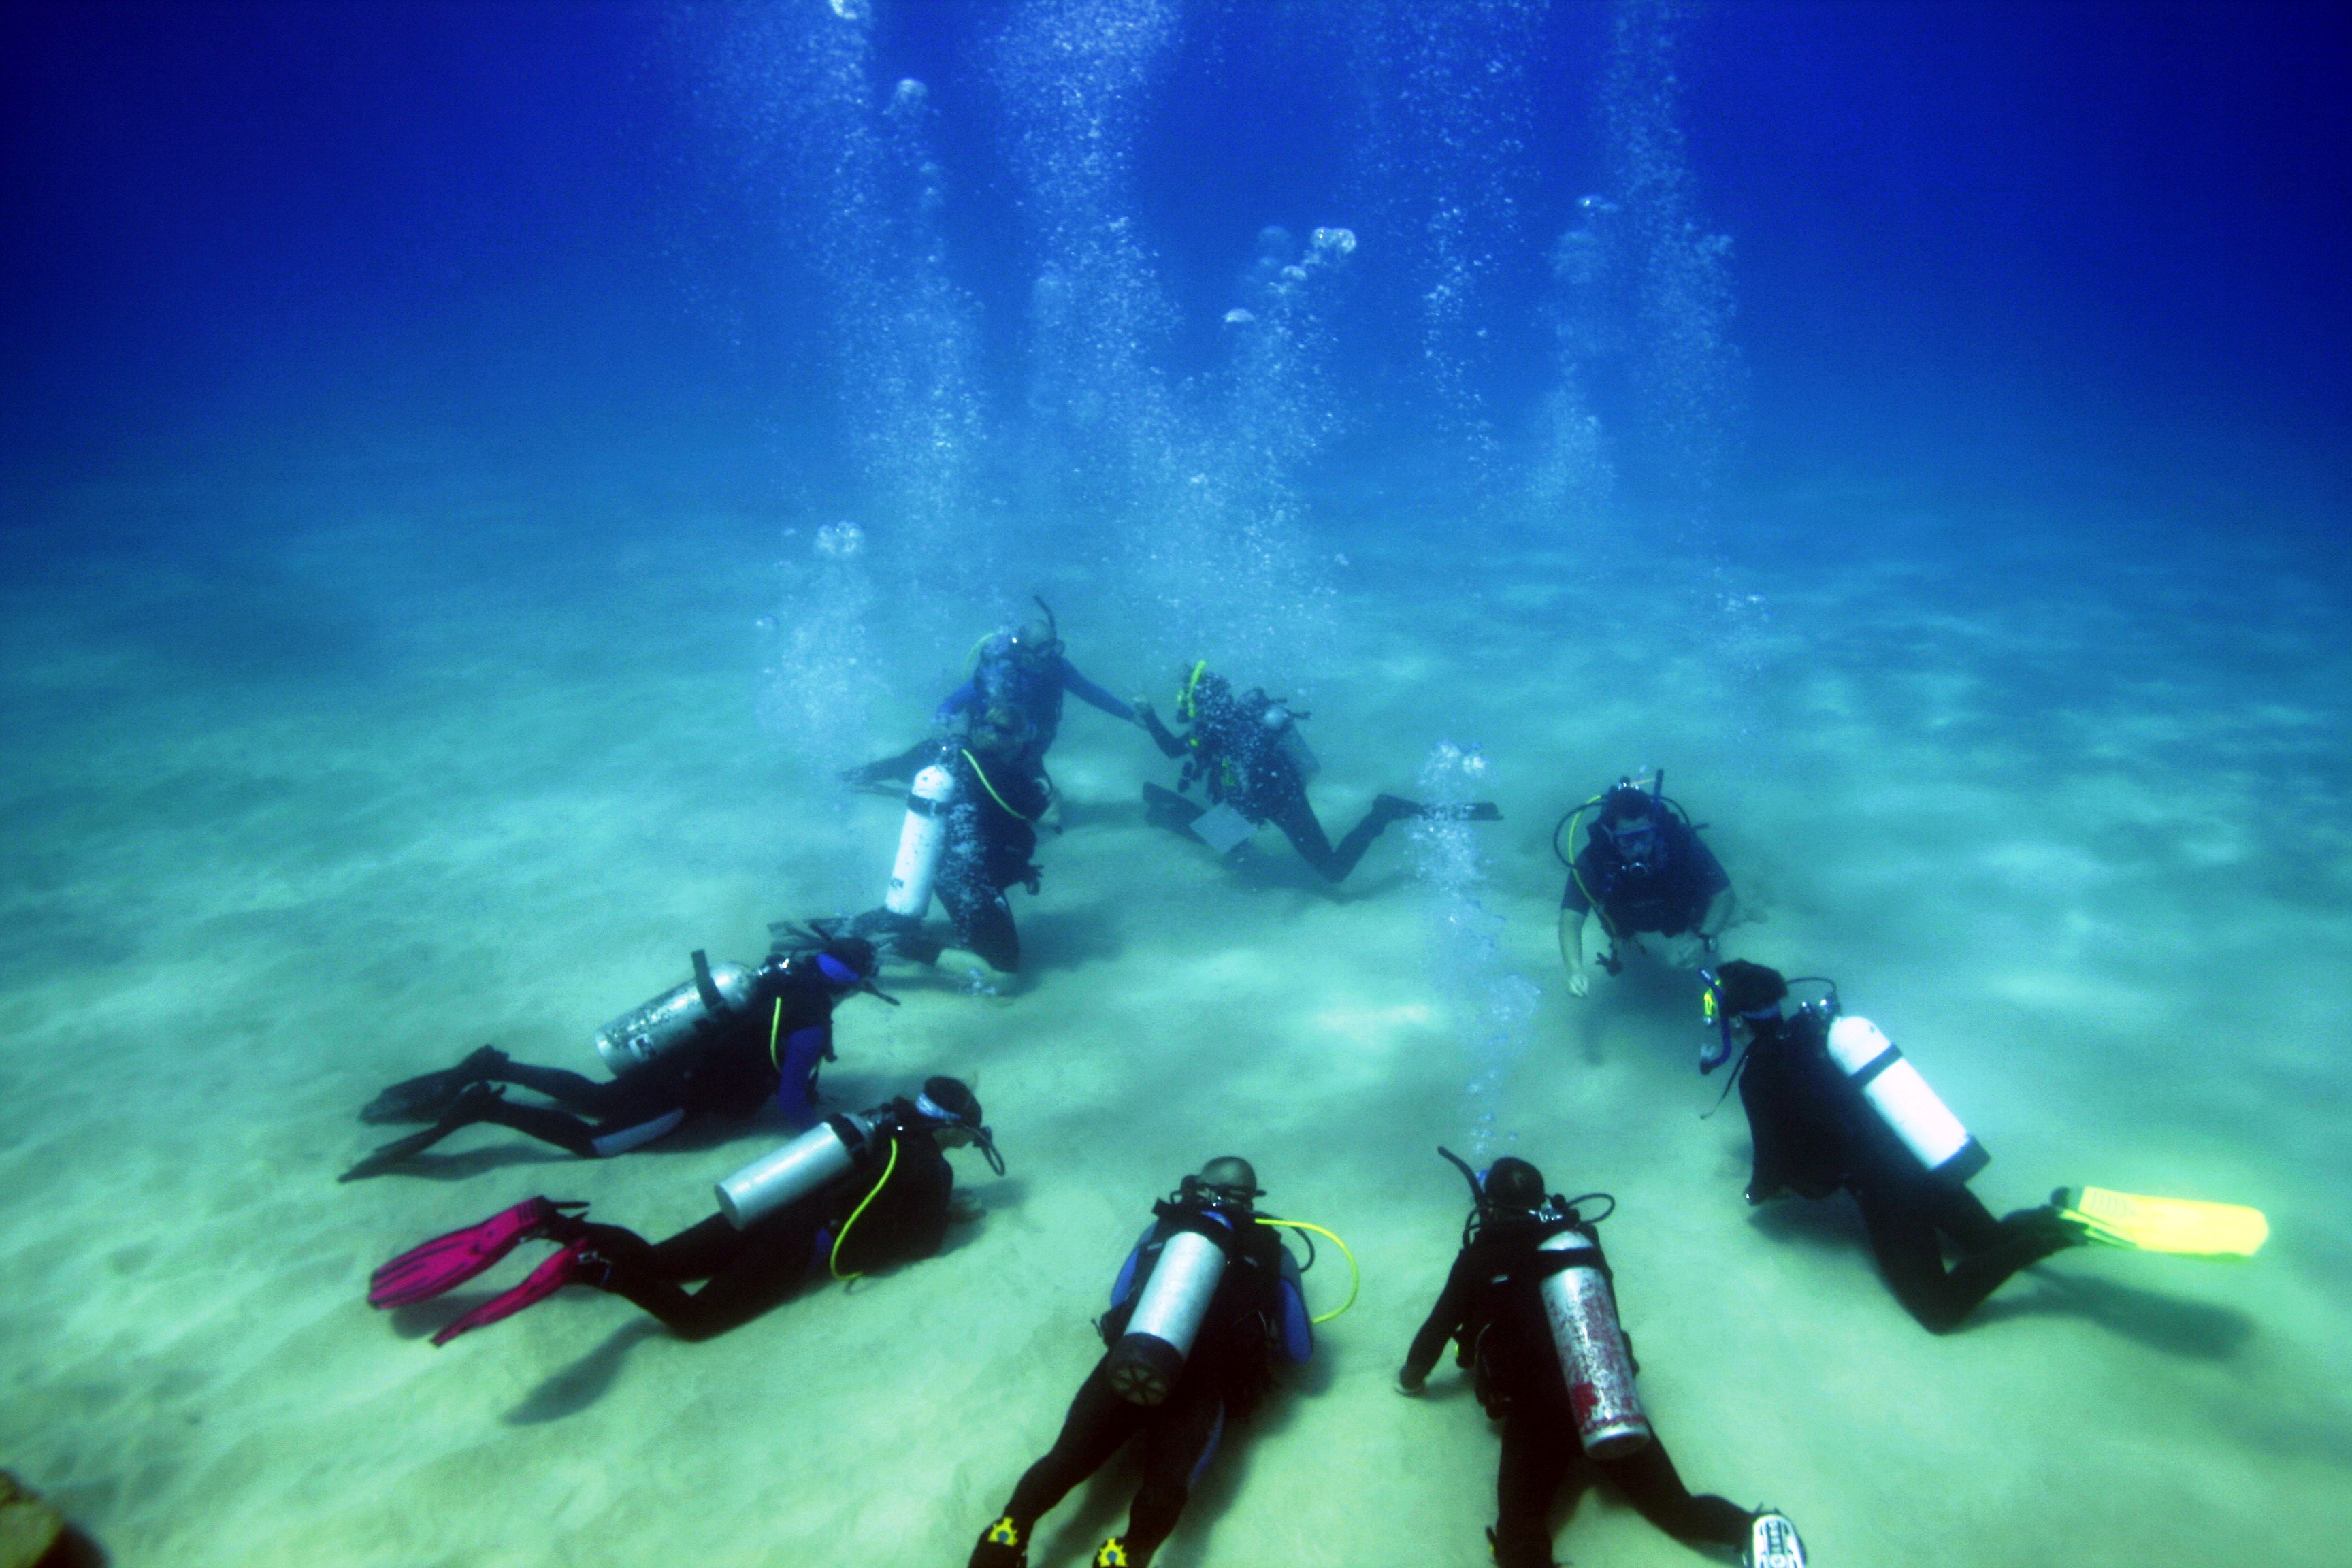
(716, 993)
(1592, 1356)
(1902, 1100)
(920, 842)
(1143, 1365)
(816, 1158)
(1282, 724)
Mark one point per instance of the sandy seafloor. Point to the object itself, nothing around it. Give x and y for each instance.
(321, 769)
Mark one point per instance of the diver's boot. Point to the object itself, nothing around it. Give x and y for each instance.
(1003, 1544)
(1772, 1542)
(427, 1096)
(1113, 1553)
(463, 1112)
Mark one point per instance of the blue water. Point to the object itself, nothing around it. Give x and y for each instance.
(472, 475)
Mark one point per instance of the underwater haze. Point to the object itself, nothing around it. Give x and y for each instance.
(474, 475)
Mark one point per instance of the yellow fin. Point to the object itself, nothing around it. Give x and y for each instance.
(2169, 1224)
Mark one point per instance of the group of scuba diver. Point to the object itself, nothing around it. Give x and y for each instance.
(1210, 1303)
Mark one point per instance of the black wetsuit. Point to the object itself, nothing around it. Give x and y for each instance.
(1492, 1308)
(1240, 761)
(991, 834)
(1815, 1132)
(752, 1270)
(1668, 894)
(1256, 1316)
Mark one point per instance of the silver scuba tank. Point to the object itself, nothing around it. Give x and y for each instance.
(921, 840)
(1902, 1100)
(1592, 1355)
(1145, 1362)
(675, 1017)
(817, 1157)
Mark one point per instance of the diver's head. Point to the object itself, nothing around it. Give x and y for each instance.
(1035, 645)
(1630, 818)
(846, 963)
(1512, 1183)
(1227, 1182)
(1198, 691)
(1749, 991)
(953, 1110)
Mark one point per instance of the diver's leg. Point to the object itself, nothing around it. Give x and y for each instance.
(760, 1268)
(1099, 1421)
(1649, 1483)
(1961, 1215)
(1539, 1446)
(1177, 1447)
(1903, 1238)
(1286, 807)
(589, 1096)
(983, 924)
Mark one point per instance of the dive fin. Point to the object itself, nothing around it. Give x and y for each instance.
(2165, 1225)
(574, 1264)
(445, 1262)
(427, 1096)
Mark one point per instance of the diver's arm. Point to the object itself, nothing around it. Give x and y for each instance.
(1094, 696)
(957, 702)
(1716, 916)
(1571, 949)
(1169, 745)
(1444, 1320)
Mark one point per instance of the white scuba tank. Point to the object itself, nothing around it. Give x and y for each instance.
(920, 841)
(1902, 1100)
(675, 1017)
(1166, 1319)
(821, 1155)
(1609, 1422)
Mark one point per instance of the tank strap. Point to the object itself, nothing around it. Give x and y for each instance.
(706, 987)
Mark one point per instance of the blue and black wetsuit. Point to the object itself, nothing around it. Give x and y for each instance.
(1257, 1317)
(1031, 684)
(755, 1269)
(1815, 1132)
(1492, 1308)
(728, 1070)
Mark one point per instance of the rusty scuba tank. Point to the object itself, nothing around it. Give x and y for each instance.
(1582, 1311)
(716, 993)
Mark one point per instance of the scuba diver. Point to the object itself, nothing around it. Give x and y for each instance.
(1642, 868)
(1025, 670)
(1832, 1103)
(1251, 762)
(854, 1193)
(969, 831)
(1206, 1303)
(1531, 1306)
(722, 1045)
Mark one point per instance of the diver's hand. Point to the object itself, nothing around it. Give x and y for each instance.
(1410, 1381)
(1580, 984)
(1143, 711)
